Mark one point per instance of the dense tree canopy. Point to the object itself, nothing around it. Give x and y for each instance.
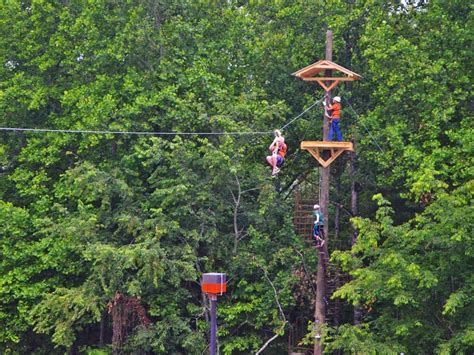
(89, 220)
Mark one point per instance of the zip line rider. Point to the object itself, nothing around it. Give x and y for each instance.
(334, 118)
(278, 149)
(318, 227)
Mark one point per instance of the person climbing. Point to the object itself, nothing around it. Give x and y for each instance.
(278, 149)
(318, 227)
(334, 118)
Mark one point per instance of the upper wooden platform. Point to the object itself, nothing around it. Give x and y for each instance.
(342, 74)
(335, 148)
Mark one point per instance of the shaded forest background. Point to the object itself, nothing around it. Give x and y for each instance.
(104, 237)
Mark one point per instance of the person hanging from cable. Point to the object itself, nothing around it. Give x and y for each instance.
(318, 228)
(333, 112)
(278, 149)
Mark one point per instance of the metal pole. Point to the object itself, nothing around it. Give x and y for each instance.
(213, 299)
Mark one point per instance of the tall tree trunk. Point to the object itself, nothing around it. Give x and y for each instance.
(126, 313)
(337, 214)
(337, 211)
(355, 213)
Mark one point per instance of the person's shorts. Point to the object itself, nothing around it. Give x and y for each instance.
(315, 230)
(318, 230)
(280, 161)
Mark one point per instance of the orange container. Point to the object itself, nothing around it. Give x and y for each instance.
(214, 283)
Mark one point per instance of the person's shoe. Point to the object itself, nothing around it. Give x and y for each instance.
(276, 171)
(322, 243)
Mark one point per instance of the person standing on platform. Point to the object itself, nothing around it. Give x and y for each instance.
(334, 117)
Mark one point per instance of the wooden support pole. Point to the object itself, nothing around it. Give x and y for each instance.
(320, 308)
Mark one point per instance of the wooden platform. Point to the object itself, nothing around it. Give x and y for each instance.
(308, 74)
(315, 148)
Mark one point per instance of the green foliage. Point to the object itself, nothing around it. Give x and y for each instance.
(85, 216)
(60, 312)
(359, 340)
(414, 281)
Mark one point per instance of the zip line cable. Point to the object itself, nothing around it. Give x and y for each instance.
(144, 133)
(360, 121)
(297, 154)
(46, 130)
(301, 114)
(160, 133)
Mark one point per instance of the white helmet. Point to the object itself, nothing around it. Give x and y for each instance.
(316, 207)
(337, 98)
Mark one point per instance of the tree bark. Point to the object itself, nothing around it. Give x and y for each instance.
(335, 274)
(337, 211)
(355, 212)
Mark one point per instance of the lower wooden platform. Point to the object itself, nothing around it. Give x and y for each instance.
(315, 148)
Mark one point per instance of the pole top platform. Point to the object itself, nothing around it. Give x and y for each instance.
(308, 74)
